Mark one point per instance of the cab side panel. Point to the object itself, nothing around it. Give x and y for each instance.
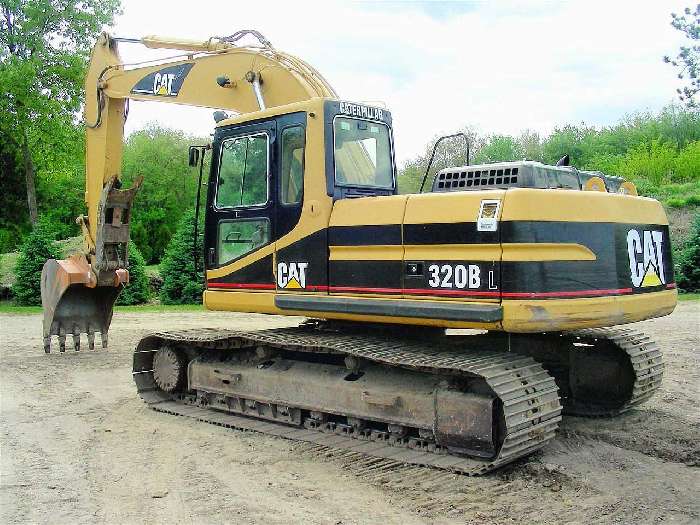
(365, 245)
(448, 254)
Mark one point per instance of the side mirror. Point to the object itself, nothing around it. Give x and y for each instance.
(194, 156)
(219, 116)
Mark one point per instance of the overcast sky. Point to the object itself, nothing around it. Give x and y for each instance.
(501, 67)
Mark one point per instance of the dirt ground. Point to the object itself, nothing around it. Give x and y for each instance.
(77, 445)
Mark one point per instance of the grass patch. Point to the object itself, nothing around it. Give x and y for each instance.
(71, 246)
(6, 307)
(8, 261)
(689, 296)
(161, 308)
(676, 195)
(152, 269)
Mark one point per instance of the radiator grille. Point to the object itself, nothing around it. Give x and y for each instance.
(477, 177)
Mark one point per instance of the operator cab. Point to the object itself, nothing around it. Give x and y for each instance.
(256, 183)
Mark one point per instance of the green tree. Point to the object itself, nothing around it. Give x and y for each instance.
(688, 267)
(650, 164)
(687, 164)
(571, 140)
(137, 291)
(530, 145)
(62, 197)
(160, 155)
(499, 148)
(36, 249)
(451, 152)
(688, 58)
(181, 284)
(659, 152)
(44, 49)
(13, 199)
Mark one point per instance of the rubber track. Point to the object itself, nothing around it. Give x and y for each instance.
(528, 393)
(647, 363)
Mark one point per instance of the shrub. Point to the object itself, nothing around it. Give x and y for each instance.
(181, 284)
(651, 163)
(675, 202)
(36, 249)
(687, 164)
(137, 291)
(151, 233)
(688, 267)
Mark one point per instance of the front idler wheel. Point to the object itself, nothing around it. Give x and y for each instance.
(169, 370)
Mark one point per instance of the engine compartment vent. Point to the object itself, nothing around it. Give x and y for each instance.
(476, 178)
(518, 174)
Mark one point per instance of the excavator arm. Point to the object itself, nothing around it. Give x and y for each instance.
(78, 293)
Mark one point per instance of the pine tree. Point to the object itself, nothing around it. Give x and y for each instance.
(36, 249)
(137, 291)
(181, 285)
(688, 278)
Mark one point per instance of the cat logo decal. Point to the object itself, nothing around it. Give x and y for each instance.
(292, 275)
(165, 82)
(646, 258)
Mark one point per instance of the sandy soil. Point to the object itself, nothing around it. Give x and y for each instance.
(78, 446)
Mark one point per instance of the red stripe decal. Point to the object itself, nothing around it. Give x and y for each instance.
(243, 286)
(363, 290)
(414, 291)
(436, 291)
(262, 286)
(575, 293)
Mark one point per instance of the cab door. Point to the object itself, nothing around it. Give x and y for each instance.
(240, 222)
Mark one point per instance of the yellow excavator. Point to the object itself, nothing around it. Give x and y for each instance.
(303, 218)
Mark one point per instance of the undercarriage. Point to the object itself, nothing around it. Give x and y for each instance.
(601, 371)
(464, 403)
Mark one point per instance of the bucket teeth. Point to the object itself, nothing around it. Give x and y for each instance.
(76, 338)
(75, 334)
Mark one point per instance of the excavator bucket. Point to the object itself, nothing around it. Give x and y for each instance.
(73, 304)
(77, 296)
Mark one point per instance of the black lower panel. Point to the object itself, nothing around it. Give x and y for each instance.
(256, 273)
(482, 313)
(366, 275)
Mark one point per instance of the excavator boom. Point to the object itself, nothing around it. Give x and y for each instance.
(78, 294)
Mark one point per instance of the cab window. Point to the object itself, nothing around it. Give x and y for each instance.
(362, 153)
(292, 172)
(237, 238)
(243, 171)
